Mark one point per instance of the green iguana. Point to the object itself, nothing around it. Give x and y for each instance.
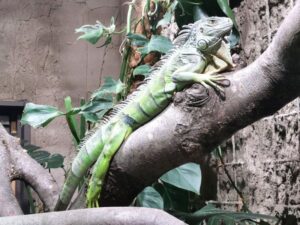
(198, 54)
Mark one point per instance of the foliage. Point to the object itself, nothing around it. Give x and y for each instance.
(216, 216)
(143, 70)
(39, 115)
(157, 43)
(102, 100)
(150, 198)
(46, 159)
(187, 177)
(92, 33)
(175, 193)
(175, 190)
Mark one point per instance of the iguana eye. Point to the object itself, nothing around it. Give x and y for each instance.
(202, 45)
(212, 22)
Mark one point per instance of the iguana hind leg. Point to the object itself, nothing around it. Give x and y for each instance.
(119, 133)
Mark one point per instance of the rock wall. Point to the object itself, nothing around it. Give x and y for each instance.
(41, 61)
(264, 158)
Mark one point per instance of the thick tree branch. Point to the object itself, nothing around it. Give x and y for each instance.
(107, 216)
(8, 203)
(181, 133)
(17, 164)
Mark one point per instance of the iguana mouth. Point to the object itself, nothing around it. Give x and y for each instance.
(226, 37)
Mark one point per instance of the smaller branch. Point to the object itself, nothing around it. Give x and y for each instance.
(17, 164)
(107, 216)
(38, 178)
(8, 204)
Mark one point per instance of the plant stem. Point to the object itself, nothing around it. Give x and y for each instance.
(127, 51)
(82, 128)
(71, 120)
(230, 179)
(30, 199)
(129, 16)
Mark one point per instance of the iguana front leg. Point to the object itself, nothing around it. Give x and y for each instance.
(193, 73)
(205, 79)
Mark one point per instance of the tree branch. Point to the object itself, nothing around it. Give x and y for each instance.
(181, 133)
(17, 164)
(7, 198)
(107, 216)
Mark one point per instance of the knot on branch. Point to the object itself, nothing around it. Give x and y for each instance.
(196, 96)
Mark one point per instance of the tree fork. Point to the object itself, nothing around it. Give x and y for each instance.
(16, 164)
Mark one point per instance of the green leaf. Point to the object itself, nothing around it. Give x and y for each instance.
(30, 148)
(92, 33)
(234, 38)
(219, 220)
(227, 10)
(43, 157)
(211, 211)
(157, 43)
(165, 20)
(187, 177)
(92, 117)
(72, 123)
(110, 87)
(175, 198)
(191, 2)
(137, 39)
(143, 70)
(55, 161)
(198, 13)
(96, 106)
(40, 156)
(150, 198)
(82, 126)
(39, 115)
(101, 113)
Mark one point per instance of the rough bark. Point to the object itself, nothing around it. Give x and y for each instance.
(105, 216)
(181, 133)
(17, 164)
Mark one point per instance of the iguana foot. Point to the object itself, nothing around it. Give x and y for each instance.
(211, 80)
(205, 79)
(93, 194)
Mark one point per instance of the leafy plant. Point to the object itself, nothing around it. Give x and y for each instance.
(216, 216)
(177, 189)
(178, 192)
(101, 101)
(92, 33)
(46, 159)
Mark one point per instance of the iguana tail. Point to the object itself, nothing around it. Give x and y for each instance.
(89, 152)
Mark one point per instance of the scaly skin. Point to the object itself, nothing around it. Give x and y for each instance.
(198, 47)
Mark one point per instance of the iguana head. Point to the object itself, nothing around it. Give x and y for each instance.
(208, 33)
